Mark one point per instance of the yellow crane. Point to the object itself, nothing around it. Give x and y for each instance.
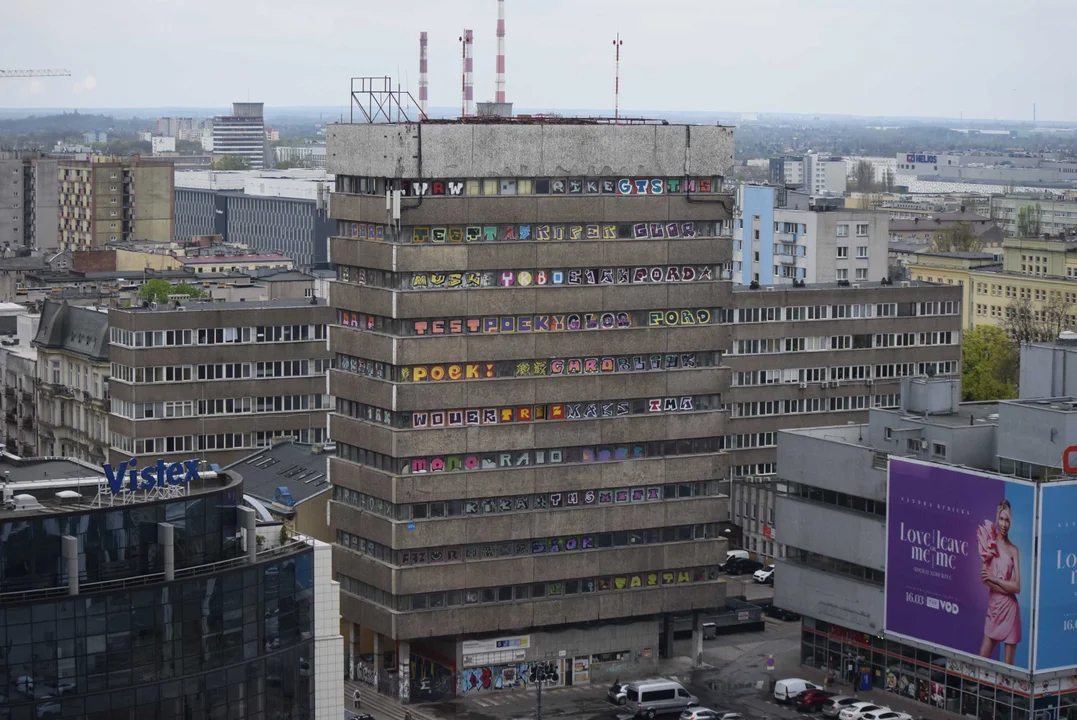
(34, 73)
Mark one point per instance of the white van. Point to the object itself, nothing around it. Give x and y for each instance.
(734, 555)
(649, 698)
(785, 691)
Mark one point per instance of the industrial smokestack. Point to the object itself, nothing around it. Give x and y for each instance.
(499, 76)
(467, 104)
(422, 76)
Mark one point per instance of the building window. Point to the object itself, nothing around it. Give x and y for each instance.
(843, 274)
(861, 273)
(843, 230)
(861, 251)
(861, 229)
(912, 445)
(938, 450)
(889, 433)
(843, 251)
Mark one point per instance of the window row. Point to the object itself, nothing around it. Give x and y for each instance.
(551, 412)
(864, 341)
(474, 462)
(842, 403)
(530, 591)
(220, 371)
(216, 336)
(219, 441)
(830, 312)
(525, 503)
(217, 406)
(834, 566)
(837, 499)
(526, 548)
(527, 368)
(539, 232)
(561, 322)
(472, 280)
(462, 187)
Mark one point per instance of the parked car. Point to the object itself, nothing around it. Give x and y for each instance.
(349, 715)
(740, 566)
(885, 715)
(650, 698)
(832, 706)
(732, 555)
(857, 710)
(764, 575)
(618, 693)
(698, 713)
(786, 691)
(774, 611)
(811, 700)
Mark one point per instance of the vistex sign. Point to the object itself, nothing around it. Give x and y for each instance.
(159, 475)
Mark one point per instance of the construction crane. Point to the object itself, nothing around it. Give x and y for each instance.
(34, 73)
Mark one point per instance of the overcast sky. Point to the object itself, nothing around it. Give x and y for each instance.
(982, 58)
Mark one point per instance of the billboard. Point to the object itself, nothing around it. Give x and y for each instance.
(1056, 581)
(959, 569)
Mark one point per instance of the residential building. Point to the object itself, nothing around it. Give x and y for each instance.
(289, 483)
(575, 317)
(95, 137)
(242, 134)
(933, 228)
(107, 198)
(878, 604)
(18, 365)
(250, 264)
(782, 238)
(1042, 271)
(1057, 214)
(303, 155)
(14, 274)
(788, 171)
(824, 175)
(268, 211)
(214, 618)
(29, 212)
(216, 380)
(73, 373)
(187, 129)
(799, 355)
(161, 144)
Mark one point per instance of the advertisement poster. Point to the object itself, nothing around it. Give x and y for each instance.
(959, 570)
(1056, 590)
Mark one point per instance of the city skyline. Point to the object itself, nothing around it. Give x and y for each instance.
(850, 60)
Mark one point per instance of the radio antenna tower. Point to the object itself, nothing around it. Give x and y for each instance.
(467, 101)
(422, 76)
(617, 43)
(499, 76)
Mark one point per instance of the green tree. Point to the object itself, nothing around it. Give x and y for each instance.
(187, 289)
(961, 237)
(232, 162)
(862, 178)
(988, 365)
(156, 290)
(286, 164)
(1029, 220)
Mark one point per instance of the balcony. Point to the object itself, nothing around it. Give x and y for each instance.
(28, 422)
(27, 396)
(10, 417)
(787, 259)
(9, 392)
(788, 237)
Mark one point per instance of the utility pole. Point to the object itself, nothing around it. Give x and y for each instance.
(541, 677)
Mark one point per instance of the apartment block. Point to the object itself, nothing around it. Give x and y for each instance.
(529, 390)
(72, 397)
(216, 380)
(107, 199)
(242, 134)
(18, 363)
(782, 237)
(28, 200)
(801, 355)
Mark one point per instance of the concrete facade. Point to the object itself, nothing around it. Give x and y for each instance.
(216, 380)
(18, 363)
(539, 525)
(28, 200)
(788, 367)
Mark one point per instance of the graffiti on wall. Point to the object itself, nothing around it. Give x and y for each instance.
(502, 677)
(551, 232)
(554, 277)
(550, 412)
(559, 186)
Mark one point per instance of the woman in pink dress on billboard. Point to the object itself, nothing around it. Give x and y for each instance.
(1001, 573)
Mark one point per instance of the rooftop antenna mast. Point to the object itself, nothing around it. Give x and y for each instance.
(467, 100)
(617, 43)
(422, 76)
(499, 76)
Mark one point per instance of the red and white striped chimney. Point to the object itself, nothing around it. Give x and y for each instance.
(467, 104)
(422, 76)
(499, 77)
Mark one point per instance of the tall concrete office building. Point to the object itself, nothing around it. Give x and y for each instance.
(243, 134)
(529, 417)
(28, 200)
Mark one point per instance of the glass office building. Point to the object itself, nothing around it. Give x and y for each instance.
(188, 623)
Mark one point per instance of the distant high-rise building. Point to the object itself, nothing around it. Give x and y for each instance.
(28, 212)
(108, 198)
(243, 133)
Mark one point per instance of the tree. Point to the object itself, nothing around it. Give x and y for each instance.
(961, 237)
(286, 164)
(232, 162)
(1025, 323)
(187, 289)
(1029, 218)
(158, 290)
(988, 365)
(862, 178)
(888, 180)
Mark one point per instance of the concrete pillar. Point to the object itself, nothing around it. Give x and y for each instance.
(667, 643)
(697, 640)
(377, 656)
(250, 537)
(353, 651)
(165, 534)
(69, 544)
(403, 659)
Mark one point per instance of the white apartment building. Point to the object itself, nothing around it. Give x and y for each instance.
(824, 174)
(779, 238)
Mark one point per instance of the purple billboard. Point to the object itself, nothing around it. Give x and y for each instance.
(959, 570)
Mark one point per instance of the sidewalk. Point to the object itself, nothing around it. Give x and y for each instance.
(380, 706)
